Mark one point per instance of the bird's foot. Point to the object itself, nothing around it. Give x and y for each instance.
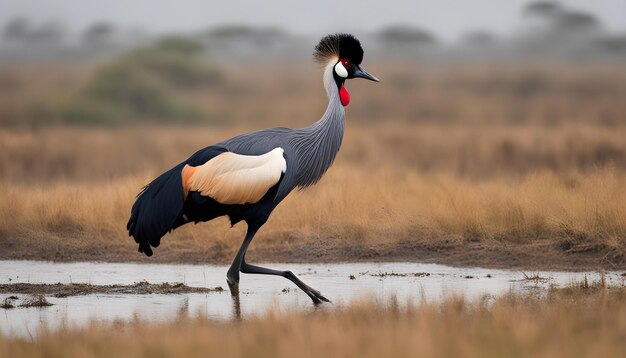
(316, 296)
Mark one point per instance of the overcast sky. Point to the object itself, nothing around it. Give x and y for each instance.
(448, 19)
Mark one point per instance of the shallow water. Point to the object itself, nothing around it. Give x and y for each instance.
(410, 281)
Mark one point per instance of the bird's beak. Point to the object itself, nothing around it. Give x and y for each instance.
(360, 72)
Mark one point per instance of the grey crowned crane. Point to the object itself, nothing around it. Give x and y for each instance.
(247, 176)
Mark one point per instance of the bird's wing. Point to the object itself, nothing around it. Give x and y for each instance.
(231, 178)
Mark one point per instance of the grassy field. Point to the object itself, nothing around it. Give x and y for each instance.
(68, 193)
(588, 321)
(499, 166)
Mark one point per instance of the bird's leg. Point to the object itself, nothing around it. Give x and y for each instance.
(236, 307)
(239, 265)
(232, 277)
(315, 295)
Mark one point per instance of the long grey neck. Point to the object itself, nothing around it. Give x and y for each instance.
(317, 145)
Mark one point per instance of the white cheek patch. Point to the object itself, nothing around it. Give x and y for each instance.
(341, 71)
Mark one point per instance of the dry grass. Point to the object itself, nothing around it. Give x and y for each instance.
(352, 207)
(491, 165)
(467, 151)
(566, 323)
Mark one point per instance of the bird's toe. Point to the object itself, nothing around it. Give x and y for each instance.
(317, 297)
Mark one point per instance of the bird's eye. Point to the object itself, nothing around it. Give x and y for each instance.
(346, 64)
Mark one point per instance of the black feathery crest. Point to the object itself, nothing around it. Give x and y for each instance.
(341, 45)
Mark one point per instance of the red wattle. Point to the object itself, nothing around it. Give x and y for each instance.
(344, 96)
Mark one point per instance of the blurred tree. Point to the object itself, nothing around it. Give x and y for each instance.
(50, 33)
(176, 61)
(231, 31)
(243, 31)
(243, 35)
(556, 30)
(546, 9)
(178, 45)
(577, 21)
(406, 34)
(16, 29)
(613, 44)
(98, 34)
(480, 38)
(139, 86)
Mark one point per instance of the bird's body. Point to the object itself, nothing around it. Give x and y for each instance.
(247, 176)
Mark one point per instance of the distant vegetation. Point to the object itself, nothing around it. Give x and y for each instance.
(245, 33)
(144, 85)
(555, 29)
(22, 30)
(138, 86)
(98, 34)
(479, 38)
(548, 29)
(402, 40)
(406, 35)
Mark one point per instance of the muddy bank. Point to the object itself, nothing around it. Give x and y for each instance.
(60, 290)
(545, 254)
(535, 256)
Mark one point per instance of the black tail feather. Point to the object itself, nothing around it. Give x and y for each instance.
(160, 204)
(156, 209)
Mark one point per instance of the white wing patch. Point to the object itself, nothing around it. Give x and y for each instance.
(232, 178)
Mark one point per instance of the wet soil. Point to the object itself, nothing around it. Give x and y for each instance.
(546, 254)
(79, 289)
(536, 255)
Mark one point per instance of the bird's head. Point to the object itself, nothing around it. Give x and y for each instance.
(344, 53)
